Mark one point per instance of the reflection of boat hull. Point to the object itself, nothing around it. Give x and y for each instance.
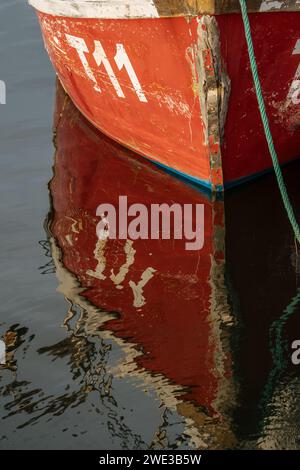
(175, 91)
(169, 301)
(181, 339)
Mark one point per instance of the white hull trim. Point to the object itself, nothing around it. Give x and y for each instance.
(110, 9)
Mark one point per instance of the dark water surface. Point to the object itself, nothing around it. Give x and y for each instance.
(133, 344)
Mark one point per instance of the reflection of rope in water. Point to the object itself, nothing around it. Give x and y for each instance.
(279, 350)
(48, 268)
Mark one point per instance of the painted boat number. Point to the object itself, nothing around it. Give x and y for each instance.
(294, 93)
(121, 59)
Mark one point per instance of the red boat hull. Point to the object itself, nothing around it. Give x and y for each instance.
(180, 91)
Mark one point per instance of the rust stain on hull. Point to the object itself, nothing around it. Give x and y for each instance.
(213, 90)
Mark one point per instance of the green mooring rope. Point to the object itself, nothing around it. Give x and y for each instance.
(264, 117)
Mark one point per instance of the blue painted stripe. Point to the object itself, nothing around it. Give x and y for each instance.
(205, 185)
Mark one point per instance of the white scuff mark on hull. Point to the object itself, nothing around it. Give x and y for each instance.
(112, 9)
(57, 45)
(175, 104)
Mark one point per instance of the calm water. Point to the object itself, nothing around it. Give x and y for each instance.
(133, 345)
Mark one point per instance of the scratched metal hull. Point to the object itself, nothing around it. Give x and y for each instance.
(179, 90)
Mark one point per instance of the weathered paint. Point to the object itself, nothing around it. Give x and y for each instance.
(214, 91)
(163, 103)
(245, 152)
(162, 88)
(116, 9)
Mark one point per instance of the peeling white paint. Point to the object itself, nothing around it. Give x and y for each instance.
(269, 5)
(112, 9)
